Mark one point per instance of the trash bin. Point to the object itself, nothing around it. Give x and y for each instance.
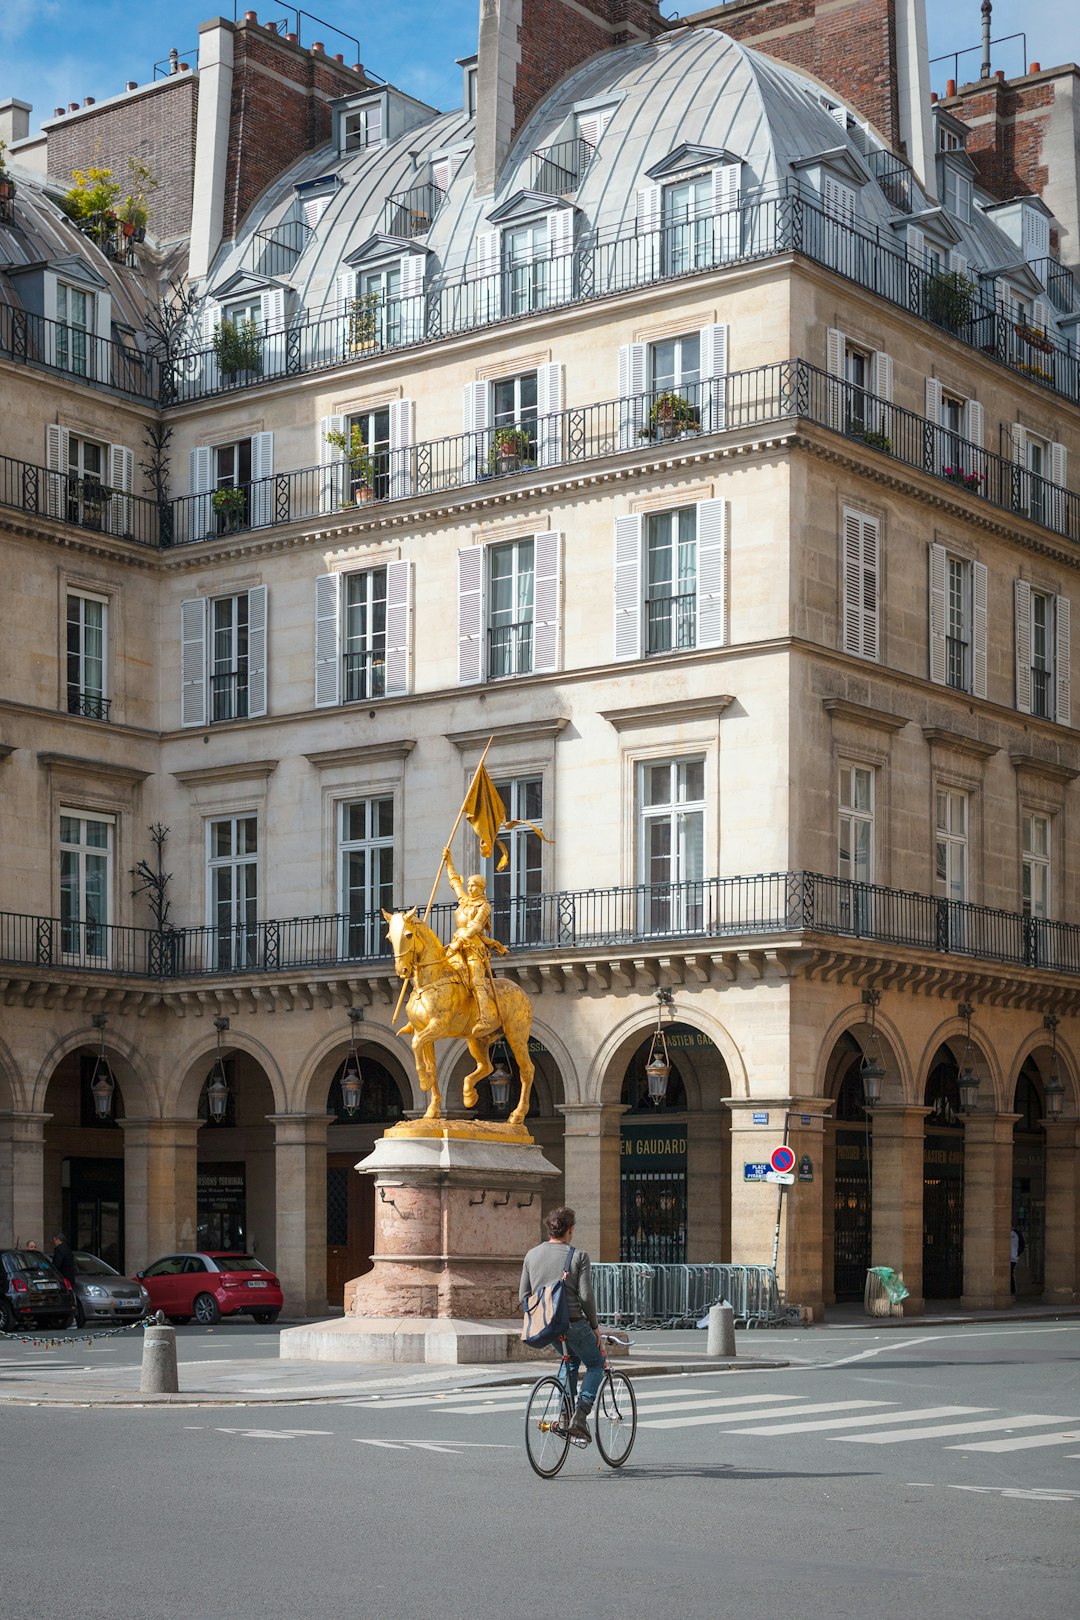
(884, 1294)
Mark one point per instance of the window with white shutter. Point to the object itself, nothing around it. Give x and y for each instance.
(632, 384)
(402, 452)
(333, 479)
(327, 640)
(1042, 652)
(488, 262)
(547, 592)
(470, 615)
(862, 585)
(628, 585)
(549, 405)
(958, 622)
(223, 657)
(398, 627)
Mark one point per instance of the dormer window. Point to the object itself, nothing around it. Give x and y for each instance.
(956, 193)
(950, 140)
(362, 128)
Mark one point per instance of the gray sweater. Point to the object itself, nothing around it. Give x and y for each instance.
(546, 1263)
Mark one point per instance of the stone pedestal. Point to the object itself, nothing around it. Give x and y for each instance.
(453, 1219)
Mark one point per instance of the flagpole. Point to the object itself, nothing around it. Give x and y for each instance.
(406, 983)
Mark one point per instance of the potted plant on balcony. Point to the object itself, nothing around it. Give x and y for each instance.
(229, 506)
(135, 211)
(874, 440)
(91, 203)
(94, 498)
(671, 414)
(363, 323)
(510, 448)
(238, 347)
(351, 447)
(946, 300)
(967, 480)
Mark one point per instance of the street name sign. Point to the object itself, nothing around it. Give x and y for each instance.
(780, 1178)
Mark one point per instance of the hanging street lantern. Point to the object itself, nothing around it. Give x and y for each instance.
(872, 1069)
(102, 1084)
(352, 1079)
(658, 1066)
(499, 1081)
(1053, 1090)
(217, 1087)
(967, 1081)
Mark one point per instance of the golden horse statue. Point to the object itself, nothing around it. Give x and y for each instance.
(442, 1006)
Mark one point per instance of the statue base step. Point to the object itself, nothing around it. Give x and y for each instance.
(446, 1340)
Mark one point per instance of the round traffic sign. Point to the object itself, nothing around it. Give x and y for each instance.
(782, 1158)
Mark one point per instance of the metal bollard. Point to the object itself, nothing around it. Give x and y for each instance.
(721, 1330)
(159, 1376)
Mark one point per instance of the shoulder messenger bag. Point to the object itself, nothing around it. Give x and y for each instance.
(547, 1311)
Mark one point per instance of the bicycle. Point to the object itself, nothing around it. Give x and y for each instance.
(551, 1406)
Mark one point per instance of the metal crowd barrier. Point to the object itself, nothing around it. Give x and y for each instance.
(637, 1295)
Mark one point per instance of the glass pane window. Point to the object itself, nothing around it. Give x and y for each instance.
(951, 843)
(245, 309)
(516, 890)
(688, 225)
(85, 884)
(675, 364)
(365, 872)
(671, 580)
(75, 323)
(229, 657)
(856, 823)
(1042, 653)
(233, 897)
(365, 635)
(363, 128)
(525, 261)
(957, 622)
(87, 493)
(672, 843)
(86, 617)
(511, 576)
(1036, 865)
(513, 405)
(380, 292)
(374, 429)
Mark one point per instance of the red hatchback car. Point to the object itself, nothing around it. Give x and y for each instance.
(208, 1286)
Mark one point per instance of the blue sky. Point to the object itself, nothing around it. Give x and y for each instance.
(53, 52)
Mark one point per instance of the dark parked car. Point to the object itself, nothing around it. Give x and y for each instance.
(208, 1286)
(102, 1295)
(31, 1292)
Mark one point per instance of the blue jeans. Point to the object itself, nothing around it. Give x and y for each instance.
(582, 1346)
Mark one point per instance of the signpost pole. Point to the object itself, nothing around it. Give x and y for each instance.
(780, 1202)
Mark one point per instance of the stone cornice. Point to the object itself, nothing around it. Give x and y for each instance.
(363, 754)
(6, 750)
(515, 731)
(959, 742)
(1054, 770)
(91, 767)
(240, 770)
(680, 709)
(862, 714)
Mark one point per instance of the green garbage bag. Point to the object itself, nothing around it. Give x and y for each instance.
(892, 1282)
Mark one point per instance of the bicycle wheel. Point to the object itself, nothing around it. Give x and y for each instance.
(616, 1419)
(547, 1425)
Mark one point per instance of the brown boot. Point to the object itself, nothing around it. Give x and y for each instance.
(579, 1423)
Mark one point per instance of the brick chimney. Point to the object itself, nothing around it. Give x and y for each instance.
(1025, 137)
(527, 47)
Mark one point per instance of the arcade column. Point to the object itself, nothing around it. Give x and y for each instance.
(592, 1146)
(988, 1149)
(896, 1193)
(159, 1188)
(300, 1178)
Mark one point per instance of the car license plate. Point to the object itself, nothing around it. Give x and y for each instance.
(253, 1283)
(128, 1304)
(48, 1285)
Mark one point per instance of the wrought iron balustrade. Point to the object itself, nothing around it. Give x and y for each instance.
(90, 705)
(274, 252)
(412, 212)
(71, 498)
(364, 675)
(558, 170)
(510, 649)
(791, 904)
(78, 355)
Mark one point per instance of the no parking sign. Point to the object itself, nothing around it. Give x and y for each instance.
(782, 1159)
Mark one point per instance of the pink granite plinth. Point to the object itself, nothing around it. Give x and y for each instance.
(453, 1219)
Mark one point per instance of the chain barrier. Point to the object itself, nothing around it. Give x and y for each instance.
(155, 1319)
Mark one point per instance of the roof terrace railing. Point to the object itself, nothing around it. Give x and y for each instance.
(558, 170)
(412, 213)
(78, 356)
(744, 907)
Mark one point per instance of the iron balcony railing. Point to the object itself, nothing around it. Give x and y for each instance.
(274, 252)
(364, 674)
(671, 622)
(78, 356)
(90, 705)
(558, 170)
(776, 903)
(412, 212)
(789, 390)
(895, 178)
(606, 262)
(510, 649)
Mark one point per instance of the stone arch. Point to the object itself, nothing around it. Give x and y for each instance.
(952, 1033)
(622, 1041)
(11, 1088)
(898, 1083)
(124, 1059)
(550, 1089)
(183, 1100)
(1037, 1045)
(316, 1072)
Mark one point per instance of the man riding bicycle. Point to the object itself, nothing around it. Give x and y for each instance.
(544, 1265)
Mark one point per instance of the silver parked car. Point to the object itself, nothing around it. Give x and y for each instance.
(101, 1294)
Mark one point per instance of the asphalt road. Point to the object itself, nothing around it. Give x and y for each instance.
(894, 1474)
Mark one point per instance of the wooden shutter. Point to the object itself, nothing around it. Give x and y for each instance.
(327, 640)
(975, 433)
(471, 615)
(648, 233)
(121, 478)
(632, 359)
(57, 442)
(475, 413)
(344, 291)
(1058, 473)
(1022, 605)
(209, 321)
(398, 612)
(547, 591)
(560, 224)
(712, 573)
(1018, 436)
(200, 483)
(193, 661)
(916, 246)
(958, 264)
(835, 357)
(402, 481)
(413, 321)
(882, 385)
(273, 309)
(332, 479)
(937, 614)
(935, 409)
(488, 260)
(713, 344)
(262, 480)
(1062, 656)
(549, 404)
(256, 650)
(727, 181)
(978, 628)
(862, 572)
(628, 534)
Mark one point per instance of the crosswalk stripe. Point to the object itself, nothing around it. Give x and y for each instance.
(935, 1431)
(702, 1418)
(1023, 1442)
(386, 1445)
(645, 1406)
(865, 1420)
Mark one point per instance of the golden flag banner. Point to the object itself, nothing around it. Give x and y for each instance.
(486, 815)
